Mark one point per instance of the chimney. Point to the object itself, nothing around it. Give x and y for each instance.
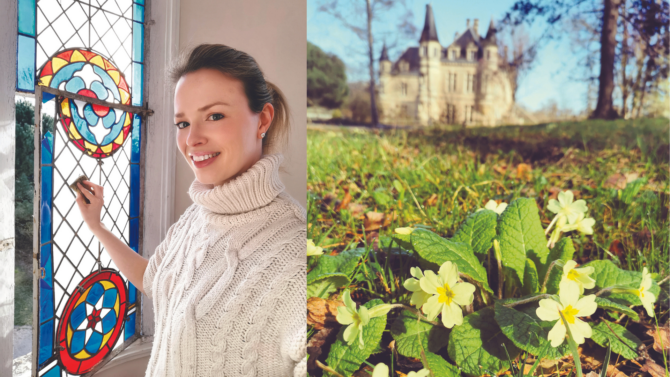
(467, 23)
(455, 35)
(476, 26)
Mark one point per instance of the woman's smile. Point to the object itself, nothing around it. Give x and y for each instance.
(200, 160)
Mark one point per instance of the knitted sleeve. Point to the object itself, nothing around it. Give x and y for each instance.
(295, 336)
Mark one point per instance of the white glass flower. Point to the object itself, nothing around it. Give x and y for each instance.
(357, 319)
(643, 293)
(419, 297)
(312, 249)
(447, 293)
(566, 207)
(577, 276)
(572, 308)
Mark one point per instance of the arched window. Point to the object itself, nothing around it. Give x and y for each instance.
(84, 63)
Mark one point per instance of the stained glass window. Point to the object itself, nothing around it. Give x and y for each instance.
(84, 62)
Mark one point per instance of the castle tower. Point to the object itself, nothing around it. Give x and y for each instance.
(384, 62)
(430, 54)
(490, 47)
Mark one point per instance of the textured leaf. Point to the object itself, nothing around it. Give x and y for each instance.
(342, 264)
(478, 231)
(563, 251)
(527, 331)
(345, 358)
(410, 334)
(631, 190)
(438, 250)
(617, 306)
(326, 284)
(439, 366)
(403, 240)
(607, 274)
(602, 334)
(478, 342)
(521, 236)
(531, 283)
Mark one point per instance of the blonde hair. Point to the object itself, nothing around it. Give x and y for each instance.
(243, 67)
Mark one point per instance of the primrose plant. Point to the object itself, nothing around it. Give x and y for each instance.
(522, 294)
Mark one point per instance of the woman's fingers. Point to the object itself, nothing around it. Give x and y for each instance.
(96, 189)
(85, 192)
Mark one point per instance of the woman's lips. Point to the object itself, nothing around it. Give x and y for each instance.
(202, 164)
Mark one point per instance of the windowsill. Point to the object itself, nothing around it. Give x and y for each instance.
(130, 362)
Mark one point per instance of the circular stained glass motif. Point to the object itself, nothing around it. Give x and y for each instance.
(92, 321)
(96, 130)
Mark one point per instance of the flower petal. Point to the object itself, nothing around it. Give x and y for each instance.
(569, 285)
(548, 310)
(452, 314)
(430, 282)
(491, 204)
(557, 334)
(412, 285)
(570, 294)
(364, 314)
(350, 333)
(346, 297)
(586, 306)
(463, 293)
(432, 307)
(579, 206)
(565, 197)
(580, 330)
(381, 370)
(569, 265)
(419, 298)
(379, 310)
(554, 206)
(344, 316)
(448, 273)
(416, 272)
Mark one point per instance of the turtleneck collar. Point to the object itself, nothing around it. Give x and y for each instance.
(253, 189)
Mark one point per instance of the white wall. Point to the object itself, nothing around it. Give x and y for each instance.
(275, 34)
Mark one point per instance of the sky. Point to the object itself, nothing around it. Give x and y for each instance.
(550, 79)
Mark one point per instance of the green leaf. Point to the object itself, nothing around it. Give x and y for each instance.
(438, 250)
(607, 274)
(439, 366)
(531, 283)
(478, 231)
(478, 342)
(403, 240)
(631, 190)
(325, 285)
(521, 236)
(411, 334)
(563, 251)
(345, 358)
(335, 265)
(617, 306)
(527, 331)
(602, 335)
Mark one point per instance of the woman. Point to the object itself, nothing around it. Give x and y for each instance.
(228, 283)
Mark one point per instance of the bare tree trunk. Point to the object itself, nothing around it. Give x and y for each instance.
(373, 104)
(604, 108)
(624, 63)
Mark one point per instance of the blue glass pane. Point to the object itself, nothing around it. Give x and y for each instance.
(94, 342)
(27, 17)
(130, 326)
(138, 13)
(54, 372)
(138, 80)
(25, 64)
(134, 191)
(47, 148)
(45, 204)
(134, 233)
(46, 341)
(46, 284)
(139, 1)
(132, 293)
(46, 97)
(138, 42)
(136, 139)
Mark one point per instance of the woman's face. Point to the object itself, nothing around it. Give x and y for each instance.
(218, 135)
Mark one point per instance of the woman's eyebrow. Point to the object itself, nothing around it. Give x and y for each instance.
(206, 107)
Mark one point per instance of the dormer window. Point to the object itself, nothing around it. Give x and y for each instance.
(453, 54)
(473, 55)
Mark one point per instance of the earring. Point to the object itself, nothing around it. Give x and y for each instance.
(263, 135)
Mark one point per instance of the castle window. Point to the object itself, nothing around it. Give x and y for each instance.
(488, 55)
(403, 88)
(470, 83)
(451, 84)
(469, 109)
(473, 55)
(451, 113)
(453, 54)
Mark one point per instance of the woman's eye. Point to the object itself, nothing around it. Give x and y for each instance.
(216, 116)
(182, 125)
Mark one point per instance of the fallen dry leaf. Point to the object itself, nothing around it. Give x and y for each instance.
(325, 335)
(652, 368)
(661, 335)
(357, 209)
(376, 220)
(430, 201)
(616, 248)
(612, 371)
(616, 180)
(523, 171)
(345, 202)
(321, 313)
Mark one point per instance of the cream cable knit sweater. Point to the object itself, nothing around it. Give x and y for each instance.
(228, 283)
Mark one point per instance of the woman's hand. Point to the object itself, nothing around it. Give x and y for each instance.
(91, 212)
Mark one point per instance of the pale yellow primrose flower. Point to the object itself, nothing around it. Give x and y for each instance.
(643, 293)
(313, 249)
(419, 297)
(572, 307)
(357, 319)
(381, 370)
(422, 373)
(577, 276)
(405, 231)
(447, 293)
(495, 207)
(581, 224)
(565, 207)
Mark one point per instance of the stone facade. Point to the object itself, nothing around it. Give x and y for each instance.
(462, 83)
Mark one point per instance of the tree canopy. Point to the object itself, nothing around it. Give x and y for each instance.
(326, 78)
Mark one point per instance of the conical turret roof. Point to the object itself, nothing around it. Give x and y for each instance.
(429, 32)
(384, 56)
(491, 34)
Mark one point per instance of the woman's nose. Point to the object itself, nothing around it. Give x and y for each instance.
(195, 135)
